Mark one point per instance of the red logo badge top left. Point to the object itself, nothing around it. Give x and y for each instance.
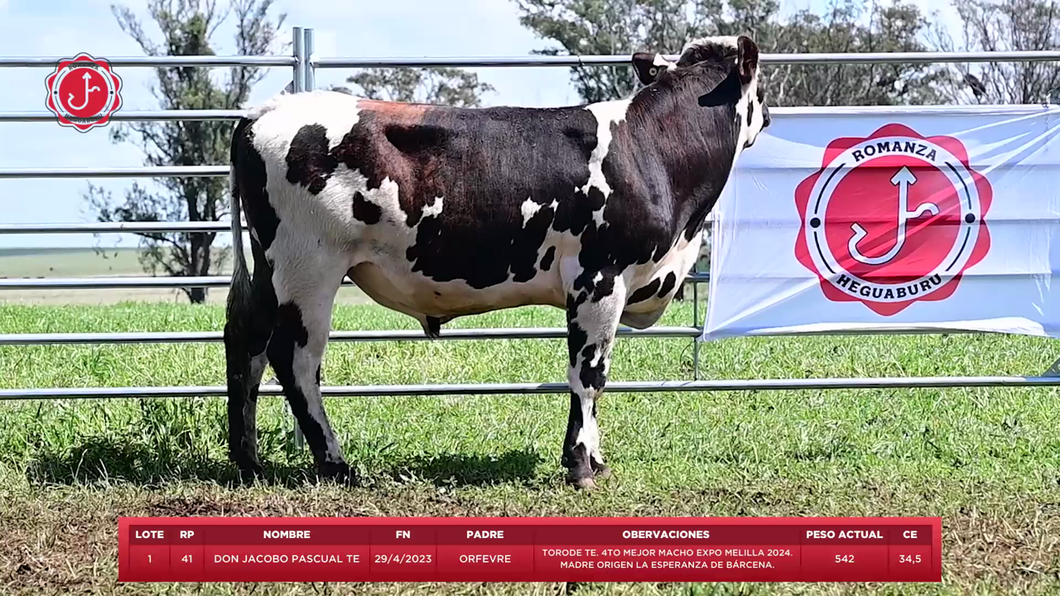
(83, 92)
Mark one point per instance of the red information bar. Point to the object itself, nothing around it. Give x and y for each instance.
(509, 549)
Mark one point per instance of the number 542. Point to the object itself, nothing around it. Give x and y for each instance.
(844, 558)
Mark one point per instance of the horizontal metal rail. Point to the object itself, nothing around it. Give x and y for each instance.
(131, 172)
(179, 115)
(38, 339)
(106, 283)
(544, 388)
(132, 227)
(134, 116)
(153, 61)
(624, 59)
(533, 60)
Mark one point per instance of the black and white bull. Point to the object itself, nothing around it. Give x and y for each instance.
(441, 212)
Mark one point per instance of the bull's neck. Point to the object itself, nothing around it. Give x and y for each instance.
(696, 145)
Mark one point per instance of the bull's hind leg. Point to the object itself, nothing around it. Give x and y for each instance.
(592, 319)
(305, 289)
(246, 335)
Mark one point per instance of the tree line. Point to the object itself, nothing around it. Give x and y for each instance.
(569, 27)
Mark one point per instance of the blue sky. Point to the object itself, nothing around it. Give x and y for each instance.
(342, 28)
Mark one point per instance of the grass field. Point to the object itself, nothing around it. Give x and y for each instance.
(986, 460)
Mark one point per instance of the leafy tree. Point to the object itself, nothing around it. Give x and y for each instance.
(1008, 25)
(893, 28)
(188, 27)
(592, 27)
(624, 26)
(444, 86)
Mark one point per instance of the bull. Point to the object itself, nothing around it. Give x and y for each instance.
(442, 212)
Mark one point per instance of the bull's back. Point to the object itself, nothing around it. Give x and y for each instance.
(451, 209)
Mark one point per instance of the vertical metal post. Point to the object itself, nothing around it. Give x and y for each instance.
(310, 71)
(299, 56)
(299, 86)
(695, 322)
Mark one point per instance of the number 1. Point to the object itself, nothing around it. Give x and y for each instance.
(148, 558)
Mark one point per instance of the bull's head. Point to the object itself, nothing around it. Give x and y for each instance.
(740, 56)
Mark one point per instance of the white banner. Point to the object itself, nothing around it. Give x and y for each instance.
(891, 220)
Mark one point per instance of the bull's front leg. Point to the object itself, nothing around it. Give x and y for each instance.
(592, 319)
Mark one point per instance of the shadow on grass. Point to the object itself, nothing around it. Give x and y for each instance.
(99, 460)
(468, 470)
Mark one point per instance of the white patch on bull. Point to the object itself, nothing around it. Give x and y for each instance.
(432, 210)
(529, 209)
(660, 61)
(606, 114)
(279, 119)
(277, 123)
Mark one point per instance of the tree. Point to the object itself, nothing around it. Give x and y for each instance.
(893, 28)
(593, 27)
(188, 28)
(624, 26)
(1008, 25)
(444, 86)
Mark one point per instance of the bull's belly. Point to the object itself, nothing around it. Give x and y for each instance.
(420, 296)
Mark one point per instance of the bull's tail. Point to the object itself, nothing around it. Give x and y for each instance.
(239, 292)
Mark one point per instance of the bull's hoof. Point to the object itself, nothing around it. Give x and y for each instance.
(581, 478)
(250, 472)
(338, 471)
(601, 470)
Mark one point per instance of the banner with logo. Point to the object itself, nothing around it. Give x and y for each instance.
(919, 219)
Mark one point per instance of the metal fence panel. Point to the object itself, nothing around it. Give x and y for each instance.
(303, 78)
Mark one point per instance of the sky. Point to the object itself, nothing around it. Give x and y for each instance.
(349, 28)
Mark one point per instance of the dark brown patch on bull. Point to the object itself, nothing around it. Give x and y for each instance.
(644, 292)
(434, 327)
(590, 375)
(250, 181)
(309, 162)
(369, 213)
(576, 338)
(484, 164)
(526, 244)
(668, 284)
(546, 261)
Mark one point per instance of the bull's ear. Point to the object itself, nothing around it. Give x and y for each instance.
(746, 58)
(649, 66)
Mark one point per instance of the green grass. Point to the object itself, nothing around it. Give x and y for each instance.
(986, 460)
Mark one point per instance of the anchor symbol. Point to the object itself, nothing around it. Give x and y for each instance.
(70, 99)
(903, 180)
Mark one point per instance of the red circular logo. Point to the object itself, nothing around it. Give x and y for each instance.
(83, 92)
(892, 219)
